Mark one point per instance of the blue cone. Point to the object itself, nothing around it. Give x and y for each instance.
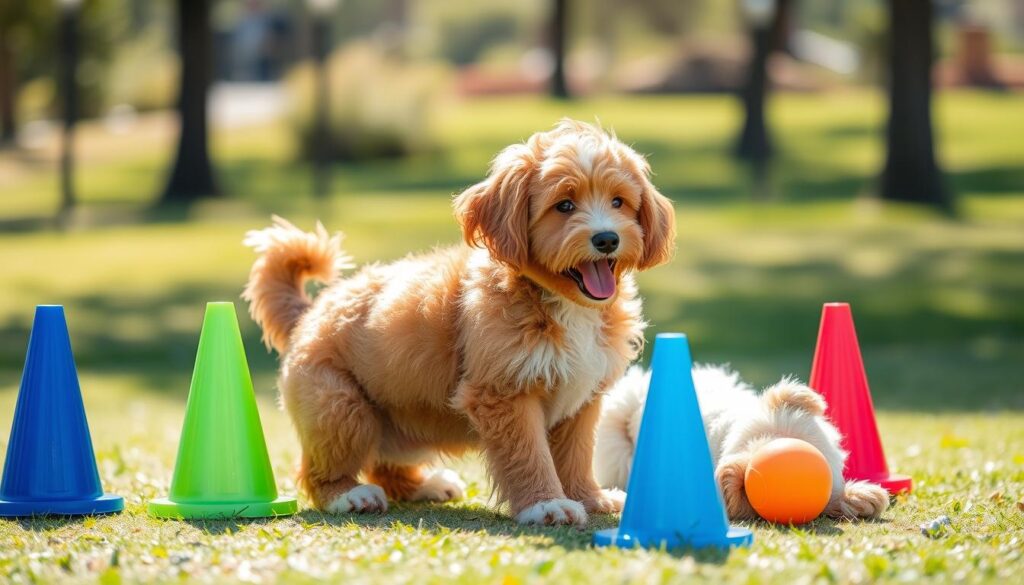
(50, 467)
(673, 498)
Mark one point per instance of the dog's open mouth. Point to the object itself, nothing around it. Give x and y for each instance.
(596, 279)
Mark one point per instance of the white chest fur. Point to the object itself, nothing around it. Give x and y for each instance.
(569, 360)
(575, 363)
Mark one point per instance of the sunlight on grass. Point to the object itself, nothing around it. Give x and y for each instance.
(937, 304)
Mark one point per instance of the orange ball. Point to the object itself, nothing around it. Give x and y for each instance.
(788, 481)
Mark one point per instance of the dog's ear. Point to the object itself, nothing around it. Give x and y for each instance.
(658, 220)
(789, 392)
(495, 213)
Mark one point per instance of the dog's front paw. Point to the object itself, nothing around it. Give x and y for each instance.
(605, 502)
(554, 512)
(859, 499)
(362, 499)
(442, 485)
(729, 475)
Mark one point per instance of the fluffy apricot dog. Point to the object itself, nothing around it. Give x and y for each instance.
(503, 344)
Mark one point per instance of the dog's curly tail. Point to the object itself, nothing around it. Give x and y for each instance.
(289, 257)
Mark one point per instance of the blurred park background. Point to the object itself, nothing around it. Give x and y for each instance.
(863, 151)
(866, 151)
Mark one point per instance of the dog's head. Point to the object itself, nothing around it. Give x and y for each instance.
(573, 209)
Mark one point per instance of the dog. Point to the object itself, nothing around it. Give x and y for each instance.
(737, 421)
(504, 343)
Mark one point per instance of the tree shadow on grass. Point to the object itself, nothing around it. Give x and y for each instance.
(152, 338)
(97, 215)
(27, 224)
(700, 172)
(922, 351)
(1002, 180)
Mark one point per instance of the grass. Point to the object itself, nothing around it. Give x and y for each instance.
(937, 303)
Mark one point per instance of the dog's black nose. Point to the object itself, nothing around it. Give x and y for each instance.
(605, 242)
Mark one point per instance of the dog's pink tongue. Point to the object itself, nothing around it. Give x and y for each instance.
(598, 278)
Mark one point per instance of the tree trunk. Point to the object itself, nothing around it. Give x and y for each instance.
(911, 172)
(8, 93)
(322, 107)
(69, 88)
(559, 31)
(192, 175)
(755, 142)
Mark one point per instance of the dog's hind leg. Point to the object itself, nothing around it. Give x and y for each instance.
(858, 499)
(417, 483)
(339, 431)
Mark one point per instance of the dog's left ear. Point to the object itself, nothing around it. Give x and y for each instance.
(495, 213)
(658, 220)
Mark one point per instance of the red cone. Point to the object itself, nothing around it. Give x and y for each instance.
(838, 375)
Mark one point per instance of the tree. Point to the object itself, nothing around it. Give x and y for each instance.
(29, 50)
(25, 29)
(68, 86)
(768, 33)
(192, 175)
(911, 172)
(8, 91)
(559, 32)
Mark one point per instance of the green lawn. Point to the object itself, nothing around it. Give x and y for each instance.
(937, 302)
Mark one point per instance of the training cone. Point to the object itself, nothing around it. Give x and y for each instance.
(838, 374)
(51, 467)
(673, 498)
(223, 470)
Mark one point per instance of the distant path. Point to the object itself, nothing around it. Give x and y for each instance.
(232, 105)
(244, 104)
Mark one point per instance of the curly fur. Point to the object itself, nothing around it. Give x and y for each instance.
(288, 258)
(492, 344)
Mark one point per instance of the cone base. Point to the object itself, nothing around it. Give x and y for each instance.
(165, 508)
(105, 504)
(893, 483)
(733, 538)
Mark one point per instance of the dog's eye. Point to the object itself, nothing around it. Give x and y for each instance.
(617, 202)
(565, 206)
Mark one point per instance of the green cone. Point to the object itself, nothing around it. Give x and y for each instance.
(223, 470)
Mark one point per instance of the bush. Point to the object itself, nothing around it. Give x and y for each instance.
(380, 106)
(465, 33)
(143, 73)
(463, 43)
